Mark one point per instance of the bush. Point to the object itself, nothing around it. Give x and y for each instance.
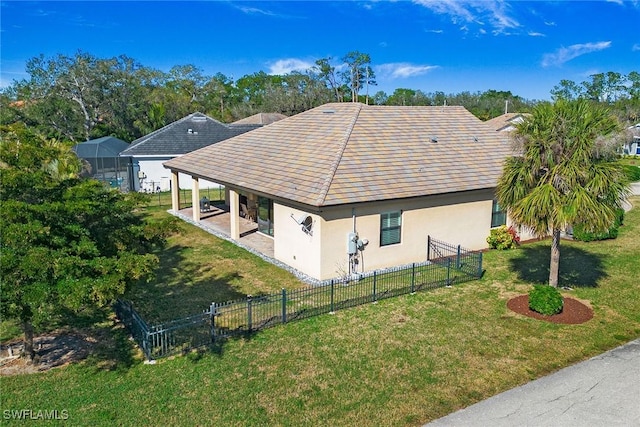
(503, 238)
(579, 232)
(545, 299)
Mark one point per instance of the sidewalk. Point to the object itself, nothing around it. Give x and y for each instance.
(602, 391)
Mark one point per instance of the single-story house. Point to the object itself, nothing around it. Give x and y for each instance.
(346, 187)
(506, 122)
(188, 134)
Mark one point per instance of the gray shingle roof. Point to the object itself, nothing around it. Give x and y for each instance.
(188, 134)
(105, 147)
(350, 152)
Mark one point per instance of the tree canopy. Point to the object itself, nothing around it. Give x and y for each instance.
(564, 172)
(80, 97)
(65, 243)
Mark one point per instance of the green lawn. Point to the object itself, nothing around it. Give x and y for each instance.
(400, 362)
(197, 269)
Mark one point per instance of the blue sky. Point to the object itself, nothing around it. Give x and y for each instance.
(525, 47)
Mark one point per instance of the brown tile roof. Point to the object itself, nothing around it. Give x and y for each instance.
(350, 152)
(260, 119)
(504, 121)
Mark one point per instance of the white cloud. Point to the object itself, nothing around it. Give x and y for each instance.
(255, 11)
(494, 13)
(535, 34)
(434, 31)
(403, 70)
(635, 47)
(566, 54)
(285, 66)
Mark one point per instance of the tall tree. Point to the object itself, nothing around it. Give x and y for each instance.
(327, 73)
(91, 237)
(567, 90)
(358, 74)
(565, 172)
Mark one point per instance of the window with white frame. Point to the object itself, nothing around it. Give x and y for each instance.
(498, 216)
(390, 228)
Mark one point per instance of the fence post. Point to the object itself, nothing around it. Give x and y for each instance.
(458, 258)
(374, 286)
(249, 325)
(480, 264)
(284, 305)
(428, 248)
(212, 310)
(448, 271)
(413, 278)
(145, 344)
(332, 308)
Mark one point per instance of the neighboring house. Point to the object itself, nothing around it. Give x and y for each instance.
(260, 119)
(188, 134)
(506, 122)
(102, 161)
(348, 187)
(632, 145)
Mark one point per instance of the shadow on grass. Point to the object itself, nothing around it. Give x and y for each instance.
(578, 268)
(91, 336)
(181, 288)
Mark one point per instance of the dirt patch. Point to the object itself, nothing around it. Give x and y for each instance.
(52, 351)
(573, 312)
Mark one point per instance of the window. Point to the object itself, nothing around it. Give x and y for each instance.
(265, 215)
(390, 228)
(498, 217)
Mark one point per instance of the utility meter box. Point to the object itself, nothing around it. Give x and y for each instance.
(352, 243)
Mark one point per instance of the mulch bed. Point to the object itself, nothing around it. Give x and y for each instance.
(573, 312)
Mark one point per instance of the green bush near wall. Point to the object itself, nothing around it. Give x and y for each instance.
(503, 238)
(579, 232)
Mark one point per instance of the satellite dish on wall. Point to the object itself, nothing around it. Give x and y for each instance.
(306, 223)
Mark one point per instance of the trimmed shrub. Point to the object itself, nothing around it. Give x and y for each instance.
(503, 238)
(579, 232)
(545, 299)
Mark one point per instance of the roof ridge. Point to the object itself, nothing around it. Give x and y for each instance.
(326, 185)
(144, 139)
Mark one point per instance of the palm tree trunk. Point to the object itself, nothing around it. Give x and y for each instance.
(554, 267)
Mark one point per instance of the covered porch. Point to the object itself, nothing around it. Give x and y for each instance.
(230, 221)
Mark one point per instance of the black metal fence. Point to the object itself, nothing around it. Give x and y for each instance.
(446, 265)
(163, 198)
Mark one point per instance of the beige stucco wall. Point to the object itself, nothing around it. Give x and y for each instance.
(292, 245)
(462, 218)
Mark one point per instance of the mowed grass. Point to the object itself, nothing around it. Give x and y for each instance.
(197, 269)
(400, 362)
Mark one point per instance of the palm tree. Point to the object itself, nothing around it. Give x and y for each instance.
(565, 172)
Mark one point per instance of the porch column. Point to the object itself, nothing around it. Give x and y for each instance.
(175, 191)
(195, 197)
(234, 217)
